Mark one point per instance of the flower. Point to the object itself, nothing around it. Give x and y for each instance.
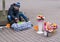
(50, 27)
(40, 17)
(54, 25)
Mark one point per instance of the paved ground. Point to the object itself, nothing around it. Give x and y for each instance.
(8, 35)
(50, 9)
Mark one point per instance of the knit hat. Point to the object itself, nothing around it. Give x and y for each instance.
(17, 4)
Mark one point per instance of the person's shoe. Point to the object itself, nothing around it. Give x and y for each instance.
(27, 20)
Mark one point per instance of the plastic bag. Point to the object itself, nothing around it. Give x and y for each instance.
(21, 26)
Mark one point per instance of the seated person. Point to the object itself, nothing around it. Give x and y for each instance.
(14, 13)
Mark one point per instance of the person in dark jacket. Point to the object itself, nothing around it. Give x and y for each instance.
(14, 13)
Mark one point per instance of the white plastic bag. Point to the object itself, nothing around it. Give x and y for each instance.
(22, 26)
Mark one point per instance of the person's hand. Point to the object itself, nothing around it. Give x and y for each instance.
(16, 20)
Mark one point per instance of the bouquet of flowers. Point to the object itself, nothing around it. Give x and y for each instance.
(50, 27)
(40, 18)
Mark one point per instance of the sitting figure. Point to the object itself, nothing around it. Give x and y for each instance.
(14, 13)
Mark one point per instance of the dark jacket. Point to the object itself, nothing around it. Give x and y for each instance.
(12, 12)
